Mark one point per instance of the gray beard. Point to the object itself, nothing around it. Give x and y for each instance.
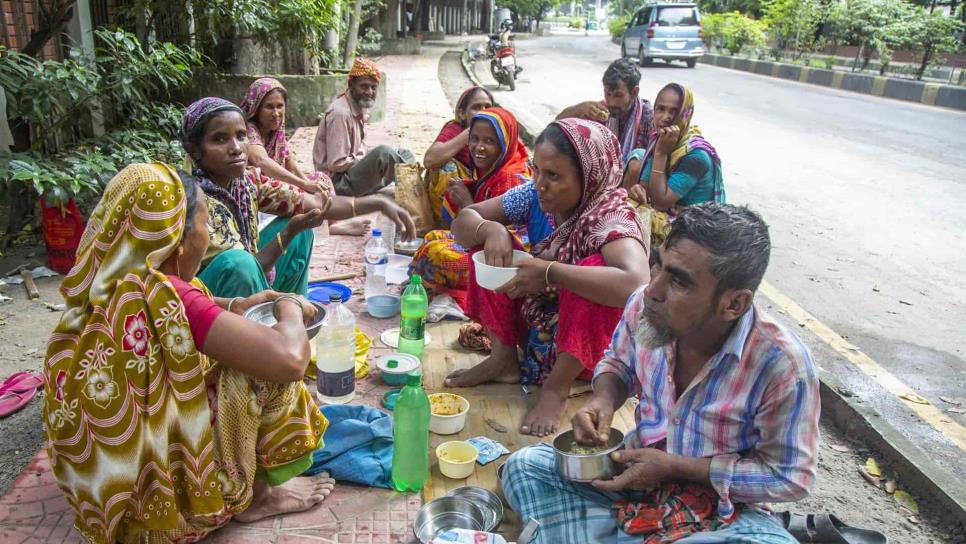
(367, 103)
(650, 336)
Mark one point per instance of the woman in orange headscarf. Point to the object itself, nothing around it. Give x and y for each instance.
(500, 162)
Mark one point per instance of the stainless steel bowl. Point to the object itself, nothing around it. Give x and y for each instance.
(262, 313)
(586, 468)
(485, 500)
(445, 513)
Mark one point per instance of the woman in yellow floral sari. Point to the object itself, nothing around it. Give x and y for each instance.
(167, 413)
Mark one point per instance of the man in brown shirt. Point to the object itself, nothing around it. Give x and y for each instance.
(340, 148)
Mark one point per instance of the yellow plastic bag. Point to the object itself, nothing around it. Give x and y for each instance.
(363, 343)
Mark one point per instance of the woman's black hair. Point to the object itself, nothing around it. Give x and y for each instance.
(555, 136)
(465, 99)
(190, 184)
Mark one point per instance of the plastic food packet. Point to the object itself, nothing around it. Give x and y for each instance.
(490, 450)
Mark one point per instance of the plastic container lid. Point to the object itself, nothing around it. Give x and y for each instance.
(404, 363)
(320, 291)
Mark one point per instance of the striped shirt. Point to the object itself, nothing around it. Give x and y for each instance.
(753, 408)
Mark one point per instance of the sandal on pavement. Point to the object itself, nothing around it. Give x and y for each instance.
(827, 529)
(21, 382)
(12, 402)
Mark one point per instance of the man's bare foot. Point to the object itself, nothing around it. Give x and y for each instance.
(357, 226)
(495, 368)
(543, 418)
(296, 495)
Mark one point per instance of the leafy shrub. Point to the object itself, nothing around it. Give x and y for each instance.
(617, 26)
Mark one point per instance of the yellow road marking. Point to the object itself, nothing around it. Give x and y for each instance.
(927, 412)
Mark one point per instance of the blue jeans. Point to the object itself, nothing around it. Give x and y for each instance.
(574, 512)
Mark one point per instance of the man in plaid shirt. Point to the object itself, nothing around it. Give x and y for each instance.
(728, 404)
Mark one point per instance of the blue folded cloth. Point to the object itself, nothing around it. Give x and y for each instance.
(357, 446)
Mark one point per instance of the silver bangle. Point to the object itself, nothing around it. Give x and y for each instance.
(232, 301)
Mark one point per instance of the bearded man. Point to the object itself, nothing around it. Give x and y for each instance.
(728, 411)
(340, 148)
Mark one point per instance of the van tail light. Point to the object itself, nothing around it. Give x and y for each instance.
(650, 29)
(700, 32)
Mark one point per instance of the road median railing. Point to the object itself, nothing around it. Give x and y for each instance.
(930, 94)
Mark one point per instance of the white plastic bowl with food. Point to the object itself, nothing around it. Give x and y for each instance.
(493, 277)
(447, 413)
(457, 459)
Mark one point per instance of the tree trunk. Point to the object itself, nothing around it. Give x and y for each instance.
(858, 54)
(352, 35)
(51, 24)
(926, 55)
(21, 194)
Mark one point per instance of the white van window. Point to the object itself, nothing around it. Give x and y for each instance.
(677, 16)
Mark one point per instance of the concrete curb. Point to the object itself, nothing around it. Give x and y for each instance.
(526, 134)
(920, 475)
(930, 94)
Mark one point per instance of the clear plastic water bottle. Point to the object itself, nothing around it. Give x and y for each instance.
(377, 261)
(336, 353)
(412, 322)
(410, 421)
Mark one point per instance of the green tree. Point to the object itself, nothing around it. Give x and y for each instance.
(794, 22)
(733, 30)
(538, 9)
(933, 33)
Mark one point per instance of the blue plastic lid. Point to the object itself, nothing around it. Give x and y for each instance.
(320, 291)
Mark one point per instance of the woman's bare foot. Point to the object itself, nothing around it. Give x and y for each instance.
(543, 418)
(357, 226)
(296, 495)
(502, 366)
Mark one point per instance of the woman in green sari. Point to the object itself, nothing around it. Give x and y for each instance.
(166, 412)
(242, 259)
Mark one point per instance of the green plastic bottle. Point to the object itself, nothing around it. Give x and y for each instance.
(412, 321)
(410, 452)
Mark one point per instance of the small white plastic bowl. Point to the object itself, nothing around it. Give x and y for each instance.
(448, 424)
(493, 277)
(457, 459)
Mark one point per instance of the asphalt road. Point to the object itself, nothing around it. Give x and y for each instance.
(864, 197)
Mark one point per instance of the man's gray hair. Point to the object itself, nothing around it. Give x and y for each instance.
(622, 70)
(736, 237)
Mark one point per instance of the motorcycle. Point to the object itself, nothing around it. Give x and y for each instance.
(504, 67)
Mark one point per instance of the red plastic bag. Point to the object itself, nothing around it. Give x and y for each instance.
(63, 227)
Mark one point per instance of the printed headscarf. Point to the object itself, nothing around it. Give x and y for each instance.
(363, 67)
(690, 137)
(276, 145)
(602, 216)
(511, 168)
(121, 351)
(237, 197)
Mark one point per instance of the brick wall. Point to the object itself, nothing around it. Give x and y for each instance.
(20, 19)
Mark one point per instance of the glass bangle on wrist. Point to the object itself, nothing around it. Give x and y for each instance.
(292, 298)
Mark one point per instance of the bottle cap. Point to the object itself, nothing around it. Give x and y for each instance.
(376, 233)
(416, 279)
(414, 378)
(335, 297)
